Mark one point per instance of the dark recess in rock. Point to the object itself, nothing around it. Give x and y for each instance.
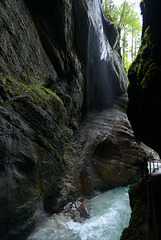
(44, 153)
(53, 201)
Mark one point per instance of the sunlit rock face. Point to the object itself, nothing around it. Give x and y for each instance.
(144, 105)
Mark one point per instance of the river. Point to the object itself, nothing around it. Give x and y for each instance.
(109, 216)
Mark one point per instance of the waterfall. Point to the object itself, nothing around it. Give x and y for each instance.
(100, 76)
(110, 210)
(110, 215)
(95, 18)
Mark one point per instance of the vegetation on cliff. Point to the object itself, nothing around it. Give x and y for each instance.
(32, 89)
(128, 24)
(144, 90)
(138, 223)
(146, 65)
(144, 108)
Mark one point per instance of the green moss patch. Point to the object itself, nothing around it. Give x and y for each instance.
(33, 90)
(138, 223)
(146, 67)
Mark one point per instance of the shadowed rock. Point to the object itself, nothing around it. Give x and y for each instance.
(43, 66)
(79, 210)
(107, 153)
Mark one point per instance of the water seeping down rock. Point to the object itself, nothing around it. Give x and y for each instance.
(48, 153)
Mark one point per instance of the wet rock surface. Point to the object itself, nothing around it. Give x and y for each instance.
(144, 112)
(79, 210)
(45, 157)
(107, 152)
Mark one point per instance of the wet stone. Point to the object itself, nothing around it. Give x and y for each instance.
(79, 210)
(68, 207)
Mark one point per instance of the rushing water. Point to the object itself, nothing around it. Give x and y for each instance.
(110, 215)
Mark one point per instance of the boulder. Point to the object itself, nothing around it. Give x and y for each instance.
(79, 210)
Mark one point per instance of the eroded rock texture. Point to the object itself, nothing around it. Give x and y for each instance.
(144, 106)
(106, 152)
(43, 73)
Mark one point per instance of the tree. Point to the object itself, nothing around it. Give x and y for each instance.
(128, 25)
(110, 9)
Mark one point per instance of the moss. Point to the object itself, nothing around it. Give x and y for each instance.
(13, 87)
(145, 69)
(143, 55)
(33, 90)
(138, 222)
(150, 74)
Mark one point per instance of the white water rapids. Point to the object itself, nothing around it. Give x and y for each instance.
(110, 215)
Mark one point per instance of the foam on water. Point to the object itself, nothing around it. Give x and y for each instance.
(110, 215)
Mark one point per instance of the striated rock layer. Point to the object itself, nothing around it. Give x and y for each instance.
(45, 158)
(106, 152)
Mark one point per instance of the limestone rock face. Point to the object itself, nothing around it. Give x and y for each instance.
(43, 83)
(144, 108)
(107, 152)
(41, 96)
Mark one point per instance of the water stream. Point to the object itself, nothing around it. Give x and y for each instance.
(110, 215)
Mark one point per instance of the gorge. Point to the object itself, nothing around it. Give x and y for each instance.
(110, 215)
(64, 130)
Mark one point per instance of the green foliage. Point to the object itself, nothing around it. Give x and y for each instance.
(111, 10)
(128, 24)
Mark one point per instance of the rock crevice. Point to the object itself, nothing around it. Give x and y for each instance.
(43, 96)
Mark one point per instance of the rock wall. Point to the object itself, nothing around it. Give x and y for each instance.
(41, 98)
(144, 108)
(106, 152)
(43, 66)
